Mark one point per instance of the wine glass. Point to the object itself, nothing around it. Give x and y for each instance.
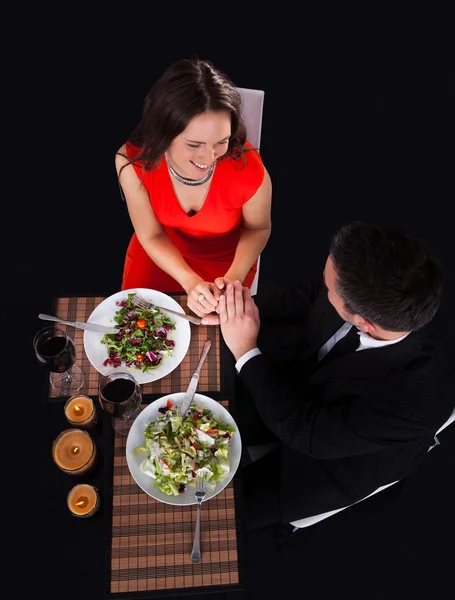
(120, 396)
(56, 353)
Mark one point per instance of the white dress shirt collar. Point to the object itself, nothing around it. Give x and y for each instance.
(366, 341)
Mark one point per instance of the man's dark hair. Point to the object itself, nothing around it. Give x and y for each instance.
(386, 276)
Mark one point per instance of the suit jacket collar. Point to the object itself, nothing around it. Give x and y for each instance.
(364, 364)
(322, 323)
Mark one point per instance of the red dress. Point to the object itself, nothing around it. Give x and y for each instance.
(206, 240)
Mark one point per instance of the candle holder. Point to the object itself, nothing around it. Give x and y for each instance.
(74, 451)
(83, 500)
(80, 411)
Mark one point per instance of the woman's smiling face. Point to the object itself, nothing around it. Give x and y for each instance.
(205, 140)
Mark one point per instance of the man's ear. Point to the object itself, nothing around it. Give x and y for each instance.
(366, 326)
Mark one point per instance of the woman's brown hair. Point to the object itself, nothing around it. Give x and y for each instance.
(187, 88)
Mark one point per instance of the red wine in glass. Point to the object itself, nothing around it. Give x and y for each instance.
(120, 396)
(56, 352)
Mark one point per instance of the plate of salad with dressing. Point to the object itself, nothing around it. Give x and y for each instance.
(166, 452)
(150, 343)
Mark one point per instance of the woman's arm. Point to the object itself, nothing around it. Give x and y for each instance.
(256, 231)
(154, 240)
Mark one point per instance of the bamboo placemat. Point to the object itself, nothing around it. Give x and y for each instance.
(152, 541)
(80, 309)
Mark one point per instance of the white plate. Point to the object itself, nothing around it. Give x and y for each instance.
(104, 315)
(136, 438)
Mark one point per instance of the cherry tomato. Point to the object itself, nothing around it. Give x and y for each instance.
(141, 323)
(140, 357)
(169, 403)
(196, 446)
(212, 430)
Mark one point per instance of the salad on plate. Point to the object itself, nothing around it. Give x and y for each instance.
(143, 339)
(179, 448)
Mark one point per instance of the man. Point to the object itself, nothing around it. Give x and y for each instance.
(350, 374)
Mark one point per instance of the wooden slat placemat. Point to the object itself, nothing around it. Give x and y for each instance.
(80, 309)
(152, 541)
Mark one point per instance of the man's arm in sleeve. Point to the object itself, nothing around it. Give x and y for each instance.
(297, 417)
(246, 357)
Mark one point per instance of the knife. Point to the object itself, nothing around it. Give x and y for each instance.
(189, 395)
(79, 325)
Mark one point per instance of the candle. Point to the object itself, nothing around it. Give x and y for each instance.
(80, 410)
(74, 451)
(83, 500)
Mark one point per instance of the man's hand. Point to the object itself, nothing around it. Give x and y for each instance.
(239, 319)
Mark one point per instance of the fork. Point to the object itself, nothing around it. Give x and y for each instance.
(139, 302)
(200, 495)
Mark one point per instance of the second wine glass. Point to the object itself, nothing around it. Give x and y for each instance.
(120, 396)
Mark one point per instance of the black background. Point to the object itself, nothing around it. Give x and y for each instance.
(355, 126)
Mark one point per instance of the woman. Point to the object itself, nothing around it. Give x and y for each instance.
(198, 195)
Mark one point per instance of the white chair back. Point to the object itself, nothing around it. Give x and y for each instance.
(450, 420)
(252, 109)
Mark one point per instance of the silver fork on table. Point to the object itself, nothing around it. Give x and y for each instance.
(144, 304)
(200, 495)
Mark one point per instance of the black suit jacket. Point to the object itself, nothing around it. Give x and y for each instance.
(355, 423)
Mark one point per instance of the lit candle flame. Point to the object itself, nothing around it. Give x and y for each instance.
(82, 502)
(77, 409)
(75, 449)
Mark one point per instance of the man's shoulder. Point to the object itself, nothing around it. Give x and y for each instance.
(438, 337)
(429, 372)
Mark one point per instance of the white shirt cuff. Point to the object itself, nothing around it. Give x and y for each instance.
(243, 359)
